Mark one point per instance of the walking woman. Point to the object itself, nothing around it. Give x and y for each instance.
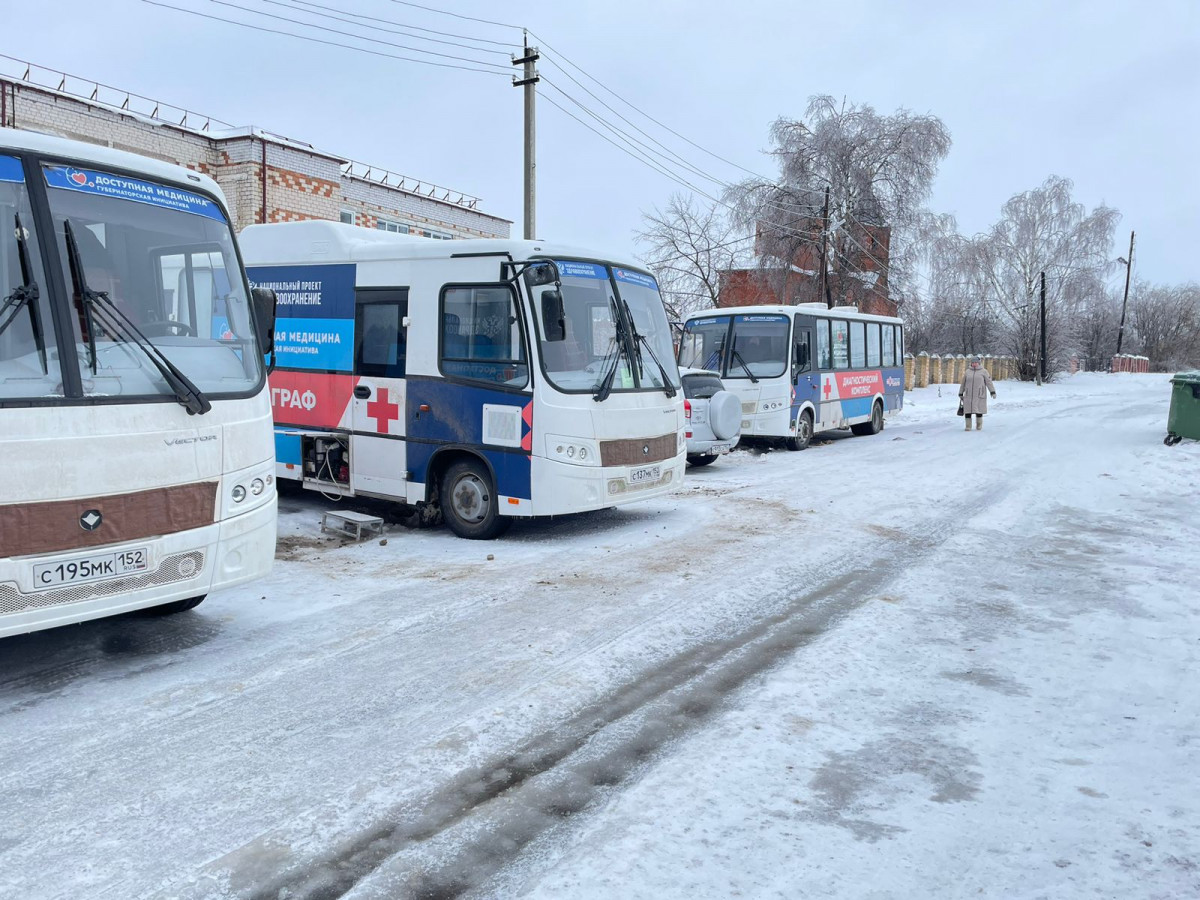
(973, 393)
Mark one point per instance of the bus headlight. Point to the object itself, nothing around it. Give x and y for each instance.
(576, 451)
(238, 493)
(257, 486)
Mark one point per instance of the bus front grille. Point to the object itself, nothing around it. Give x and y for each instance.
(180, 567)
(635, 451)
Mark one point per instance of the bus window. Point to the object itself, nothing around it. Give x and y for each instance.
(380, 338)
(858, 346)
(802, 360)
(481, 336)
(823, 362)
(889, 345)
(841, 343)
(873, 344)
(702, 345)
(759, 348)
(899, 344)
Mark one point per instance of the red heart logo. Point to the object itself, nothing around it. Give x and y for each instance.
(79, 178)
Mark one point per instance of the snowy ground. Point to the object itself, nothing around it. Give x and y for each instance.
(923, 664)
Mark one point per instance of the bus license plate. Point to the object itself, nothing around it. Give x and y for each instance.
(91, 568)
(645, 475)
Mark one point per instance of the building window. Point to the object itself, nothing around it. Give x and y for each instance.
(347, 217)
(394, 227)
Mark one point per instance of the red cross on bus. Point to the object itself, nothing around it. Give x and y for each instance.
(383, 411)
(828, 387)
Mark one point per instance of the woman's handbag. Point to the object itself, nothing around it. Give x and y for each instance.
(960, 407)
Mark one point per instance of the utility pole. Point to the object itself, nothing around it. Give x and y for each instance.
(823, 282)
(529, 81)
(1042, 366)
(1125, 301)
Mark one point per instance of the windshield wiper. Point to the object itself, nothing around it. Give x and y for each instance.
(25, 297)
(735, 355)
(97, 305)
(622, 341)
(638, 338)
(605, 387)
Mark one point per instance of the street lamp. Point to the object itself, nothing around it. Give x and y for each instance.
(1125, 301)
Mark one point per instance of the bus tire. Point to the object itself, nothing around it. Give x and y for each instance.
(804, 432)
(469, 502)
(875, 425)
(176, 606)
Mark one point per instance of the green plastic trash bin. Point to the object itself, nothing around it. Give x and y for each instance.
(1184, 418)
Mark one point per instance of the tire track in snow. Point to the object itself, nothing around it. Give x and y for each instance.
(477, 823)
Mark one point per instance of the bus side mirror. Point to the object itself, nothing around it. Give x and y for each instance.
(544, 272)
(554, 316)
(262, 307)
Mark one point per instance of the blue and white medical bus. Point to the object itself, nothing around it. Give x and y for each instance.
(801, 369)
(487, 379)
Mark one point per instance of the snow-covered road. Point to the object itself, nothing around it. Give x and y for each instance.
(926, 663)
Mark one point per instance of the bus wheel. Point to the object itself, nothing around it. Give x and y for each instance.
(177, 606)
(804, 432)
(875, 425)
(469, 503)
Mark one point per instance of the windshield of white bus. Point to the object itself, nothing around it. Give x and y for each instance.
(164, 257)
(598, 302)
(759, 347)
(28, 364)
(736, 346)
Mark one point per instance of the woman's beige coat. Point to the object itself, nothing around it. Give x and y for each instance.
(974, 390)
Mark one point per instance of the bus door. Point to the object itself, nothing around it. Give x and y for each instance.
(804, 377)
(378, 457)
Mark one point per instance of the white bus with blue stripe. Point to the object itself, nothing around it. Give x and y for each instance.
(485, 379)
(801, 370)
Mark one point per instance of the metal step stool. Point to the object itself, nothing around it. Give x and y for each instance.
(351, 524)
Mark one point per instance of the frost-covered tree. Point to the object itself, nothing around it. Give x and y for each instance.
(879, 170)
(687, 245)
(1042, 230)
(1166, 322)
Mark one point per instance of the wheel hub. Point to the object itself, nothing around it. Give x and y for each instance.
(470, 499)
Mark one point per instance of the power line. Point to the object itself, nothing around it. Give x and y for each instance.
(329, 12)
(302, 37)
(350, 34)
(444, 12)
(641, 112)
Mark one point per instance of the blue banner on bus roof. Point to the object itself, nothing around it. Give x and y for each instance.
(635, 278)
(762, 318)
(571, 269)
(10, 169)
(308, 292)
(121, 188)
(711, 320)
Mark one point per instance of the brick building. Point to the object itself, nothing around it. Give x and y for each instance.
(864, 283)
(266, 177)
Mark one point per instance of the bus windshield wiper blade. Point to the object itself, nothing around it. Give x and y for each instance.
(25, 297)
(606, 383)
(639, 338)
(738, 356)
(99, 306)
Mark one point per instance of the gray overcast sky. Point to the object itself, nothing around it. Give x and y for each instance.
(1102, 92)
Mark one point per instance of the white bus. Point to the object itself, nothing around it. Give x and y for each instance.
(487, 379)
(801, 369)
(135, 424)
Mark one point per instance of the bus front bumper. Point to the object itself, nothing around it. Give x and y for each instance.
(182, 565)
(561, 488)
